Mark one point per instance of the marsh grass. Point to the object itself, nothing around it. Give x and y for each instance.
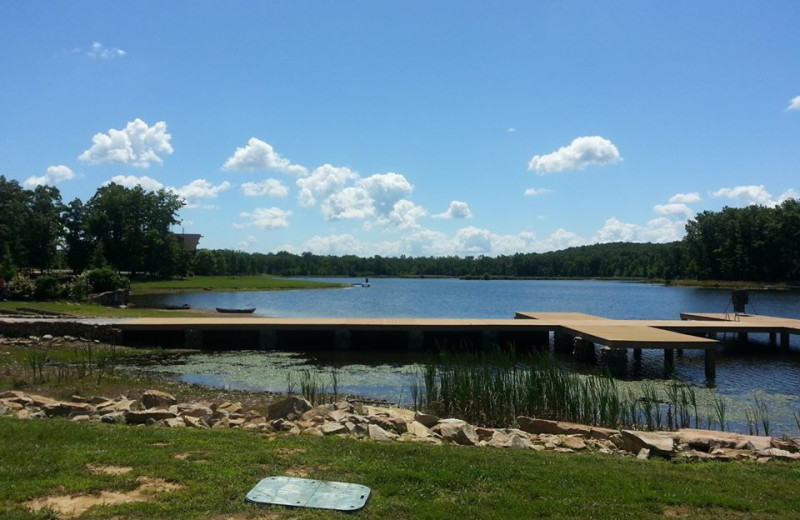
(494, 388)
(47, 362)
(315, 387)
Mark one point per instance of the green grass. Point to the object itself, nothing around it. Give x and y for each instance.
(91, 310)
(49, 457)
(225, 284)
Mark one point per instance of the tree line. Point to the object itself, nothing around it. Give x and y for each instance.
(128, 230)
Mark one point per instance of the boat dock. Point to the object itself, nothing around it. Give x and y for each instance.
(571, 331)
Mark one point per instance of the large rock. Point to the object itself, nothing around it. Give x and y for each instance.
(158, 399)
(544, 426)
(333, 428)
(457, 431)
(662, 444)
(776, 453)
(288, 409)
(708, 440)
(64, 409)
(376, 433)
(143, 416)
(425, 419)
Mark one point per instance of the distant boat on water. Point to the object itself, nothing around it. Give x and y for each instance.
(247, 310)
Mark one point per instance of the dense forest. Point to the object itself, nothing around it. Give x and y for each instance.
(128, 230)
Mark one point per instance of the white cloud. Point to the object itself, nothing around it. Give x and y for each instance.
(511, 130)
(131, 181)
(457, 209)
(338, 245)
(247, 243)
(580, 153)
(200, 189)
(658, 230)
(54, 175)
(673, 208)
(99, 51)
(260, 155)
(404, 215)
(137, 144)
(349, 203)
(267, 188)
(532, 192)
(686, 198)
(788, 194)
(386, 189)
(747, 194)
(265, 218)
(322, 183)
(794, 104)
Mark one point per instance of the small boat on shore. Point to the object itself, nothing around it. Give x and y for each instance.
(246, 310)
(183, 307)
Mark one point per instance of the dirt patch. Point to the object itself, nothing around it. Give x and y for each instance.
(74, 506)
(298, 472)
(289, 451)
(709, 514)
(191, 456)
(98, 469)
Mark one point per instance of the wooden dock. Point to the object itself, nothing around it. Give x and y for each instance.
(571, 331)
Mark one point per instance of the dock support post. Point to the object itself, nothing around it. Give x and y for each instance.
(784, 339)
(742, 337)
(711, 363)
(679, 352)
(562, 342)
(488, 339)
(669, 361)
(637, 354)
(193, 338)
(341, 339)
(416, 340)
(583, 349)
(773, 338)
(267, 339)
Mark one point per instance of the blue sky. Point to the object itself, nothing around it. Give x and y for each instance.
(409, 128)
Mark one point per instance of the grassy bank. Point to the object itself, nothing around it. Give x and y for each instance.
(214, 470)
(91, 310)
(224, 284)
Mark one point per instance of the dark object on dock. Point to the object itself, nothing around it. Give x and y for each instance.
(740, 298)
(183, 307)
(248, 310)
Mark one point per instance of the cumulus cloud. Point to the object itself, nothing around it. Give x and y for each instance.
(686, 198)
(386, 189)
(794, 104)
(98, 51)
(267, 188)
(580, 153)
(747, 194)
(658, 230)
(247, 243)
(338, 245)
(403, 216)
(673, 208)
(349, 203)
(532, 192)
(200, 189)
(457, 209)
(137, 144)
(260, 155)
(265, 218)
(131, 181)
(322, 183)
(55, 175)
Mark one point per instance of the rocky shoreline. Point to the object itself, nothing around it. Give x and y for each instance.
(294, 415)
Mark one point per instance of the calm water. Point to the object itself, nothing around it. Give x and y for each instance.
(758, 369)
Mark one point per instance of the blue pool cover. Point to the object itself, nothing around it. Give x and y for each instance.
(301, 492)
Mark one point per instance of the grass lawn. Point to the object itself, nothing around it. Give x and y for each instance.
(91, 310)
(216, 468)
(225, 284)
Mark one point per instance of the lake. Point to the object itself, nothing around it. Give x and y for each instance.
(757, 369)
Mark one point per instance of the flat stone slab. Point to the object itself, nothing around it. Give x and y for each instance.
(301, 492)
